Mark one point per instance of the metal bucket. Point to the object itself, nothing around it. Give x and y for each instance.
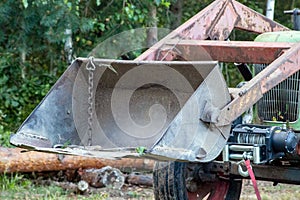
(161, 110)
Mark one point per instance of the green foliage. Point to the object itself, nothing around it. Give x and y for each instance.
(16, 186)
(4, 137)
(26, 62)
(13, 181)
(20, 91)
(140, 150)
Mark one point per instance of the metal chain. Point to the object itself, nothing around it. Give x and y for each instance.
(90, 66)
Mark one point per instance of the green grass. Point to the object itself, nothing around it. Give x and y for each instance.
(4, 136)
(16, 186)
(13, 181)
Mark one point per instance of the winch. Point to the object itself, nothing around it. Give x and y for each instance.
(259, 143)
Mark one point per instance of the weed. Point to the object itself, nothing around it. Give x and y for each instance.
(12, 181)
(16, 186)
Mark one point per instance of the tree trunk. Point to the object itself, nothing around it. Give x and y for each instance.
(176, 10)
(152, 30)
(20, 160)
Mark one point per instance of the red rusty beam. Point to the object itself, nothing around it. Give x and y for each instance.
(253, 21)
(227, 51)
(195, 28)
(216, 22)
(236, 15)
(279, 70)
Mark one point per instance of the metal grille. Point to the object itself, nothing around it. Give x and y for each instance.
(282, 102)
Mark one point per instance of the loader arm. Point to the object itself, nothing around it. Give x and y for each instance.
(215, 22)
(282, 59)
(229, 51)
(279, 70)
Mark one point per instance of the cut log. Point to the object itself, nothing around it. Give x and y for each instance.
(140, 179)
(20, 160)
(106, 176)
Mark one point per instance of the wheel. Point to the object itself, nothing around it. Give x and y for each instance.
(172, 181)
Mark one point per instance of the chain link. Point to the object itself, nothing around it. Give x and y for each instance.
(90, 66)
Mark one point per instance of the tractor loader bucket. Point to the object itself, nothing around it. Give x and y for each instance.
(112, 108)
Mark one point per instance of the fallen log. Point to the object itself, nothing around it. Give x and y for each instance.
(103, 177)
(139, 179)
(21, 160)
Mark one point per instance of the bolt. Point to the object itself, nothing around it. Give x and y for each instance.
(201, 154)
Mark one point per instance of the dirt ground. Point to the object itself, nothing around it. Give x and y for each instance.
(58, 189)
(267, 192)
(270, 192)
(266, 189)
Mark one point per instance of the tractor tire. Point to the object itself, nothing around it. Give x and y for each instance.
(169, 180)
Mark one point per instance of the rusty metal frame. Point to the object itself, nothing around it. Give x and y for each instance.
(280, 69)
(216, 22)
(229, 51)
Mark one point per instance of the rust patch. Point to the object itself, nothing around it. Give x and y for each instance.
(229, 51)
(253, 21)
